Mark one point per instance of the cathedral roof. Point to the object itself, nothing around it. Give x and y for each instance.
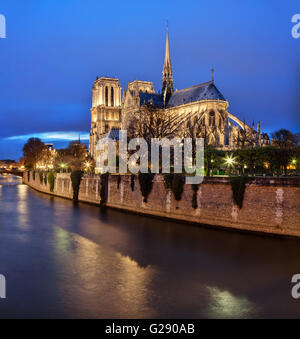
(205, 91)
(157, 99)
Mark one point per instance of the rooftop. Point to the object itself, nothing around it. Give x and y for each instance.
(204, 91)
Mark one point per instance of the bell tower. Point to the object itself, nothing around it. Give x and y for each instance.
(106, 109)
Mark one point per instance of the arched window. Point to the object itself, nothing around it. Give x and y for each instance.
(112, 99)
(106, 96)
(212, 118)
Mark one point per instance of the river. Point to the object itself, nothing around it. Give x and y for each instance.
(62, 260)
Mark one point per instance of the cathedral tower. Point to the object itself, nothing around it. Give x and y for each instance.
(106, 109)
(167, 81)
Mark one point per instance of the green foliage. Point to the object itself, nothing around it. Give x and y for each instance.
(146, 184)
(195, 188)
(168, 179)
(76, 177)
(177, 186)
(45, 179)
(51, 180)
(213, 158)
(132, 182)
(119, 181)
(103, 188)
(41, 174)
(238, 186)
(175, 182)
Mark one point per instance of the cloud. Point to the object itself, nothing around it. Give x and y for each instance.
(51, 136)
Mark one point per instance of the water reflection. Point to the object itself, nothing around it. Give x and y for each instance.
(122, 282)
(63, 260)
(9, 180)
(223, 304)
(22, 208)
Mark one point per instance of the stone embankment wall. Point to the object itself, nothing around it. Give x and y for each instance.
(270, 205)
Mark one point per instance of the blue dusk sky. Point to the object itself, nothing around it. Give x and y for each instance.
(55, 49)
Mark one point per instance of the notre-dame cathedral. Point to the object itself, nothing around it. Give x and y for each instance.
(201, 105)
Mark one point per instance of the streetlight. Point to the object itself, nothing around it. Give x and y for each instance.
(87, 165)
(63, 166)
(230, 162)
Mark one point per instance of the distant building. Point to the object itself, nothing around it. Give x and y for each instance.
(202, 107)
(7, 164)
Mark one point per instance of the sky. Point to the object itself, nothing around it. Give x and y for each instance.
(54, 50)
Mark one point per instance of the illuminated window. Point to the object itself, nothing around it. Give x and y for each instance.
(112, 96)
(106, 96)
(212, 119)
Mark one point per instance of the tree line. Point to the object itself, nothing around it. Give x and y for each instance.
(282, 157)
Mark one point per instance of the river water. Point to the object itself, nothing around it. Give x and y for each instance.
(63, 260)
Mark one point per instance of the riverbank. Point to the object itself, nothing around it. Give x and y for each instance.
(270, 205)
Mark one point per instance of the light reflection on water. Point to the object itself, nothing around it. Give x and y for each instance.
(225, 305)
(9, 179)
(66, 260)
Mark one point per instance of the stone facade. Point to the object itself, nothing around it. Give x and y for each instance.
(270, 206)
(106, 109)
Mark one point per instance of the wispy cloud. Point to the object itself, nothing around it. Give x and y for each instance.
(51, 136)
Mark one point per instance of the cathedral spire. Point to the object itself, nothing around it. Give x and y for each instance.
(167, 81)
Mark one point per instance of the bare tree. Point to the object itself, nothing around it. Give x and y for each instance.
(284, 139)
(149, 123)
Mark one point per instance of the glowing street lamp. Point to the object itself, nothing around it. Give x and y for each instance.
(87, 165)
(63, 166)
(230, 161)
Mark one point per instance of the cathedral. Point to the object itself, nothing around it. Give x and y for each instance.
(201, 109)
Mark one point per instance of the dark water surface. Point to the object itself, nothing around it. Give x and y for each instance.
(62, 260)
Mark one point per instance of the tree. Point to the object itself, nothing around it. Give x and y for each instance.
(246, 157)
(71, 157)
(213, 158)
(33, 151)
(284, 138)
(149, 123)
